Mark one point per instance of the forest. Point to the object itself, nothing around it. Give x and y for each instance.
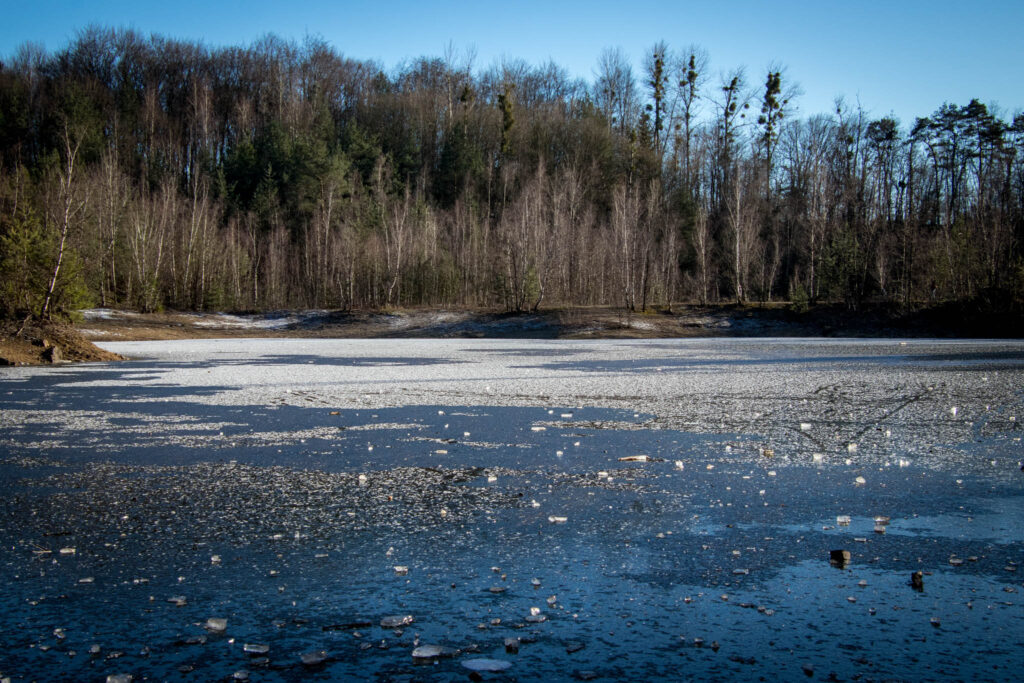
(150, 173)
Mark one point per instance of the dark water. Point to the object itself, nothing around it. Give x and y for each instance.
(709, 561)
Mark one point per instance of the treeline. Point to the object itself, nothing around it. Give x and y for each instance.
(149, 172)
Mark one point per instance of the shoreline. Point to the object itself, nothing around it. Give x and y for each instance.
(46, 343)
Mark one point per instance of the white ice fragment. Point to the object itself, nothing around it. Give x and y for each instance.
(433, 652)
(67, 551)
(953, 411)
(679, 464)
(491, 479)
(559, 453)
(851, 448)
(440, 412)
(255, 648)
(534, 503)
(861, 481)
(771, 473)
(215, 559)
(537, 429)
(710, 467)
(817, 457)
(843, 520)
(602, 474)
(805, 426)
(566, 415)
(904, 462)
(363, 480)
(555, 519)
(216, 625)
(635, 458)
(441, 451)
(401, 570)
(396, 621)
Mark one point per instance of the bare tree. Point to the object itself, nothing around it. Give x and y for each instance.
(615, 89)
(65, 210)
(692, 75)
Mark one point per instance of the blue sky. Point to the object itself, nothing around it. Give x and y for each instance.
(901, 57)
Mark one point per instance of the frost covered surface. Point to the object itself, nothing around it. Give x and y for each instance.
(281, 484)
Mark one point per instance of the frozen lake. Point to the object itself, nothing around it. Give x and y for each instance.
(568, 510)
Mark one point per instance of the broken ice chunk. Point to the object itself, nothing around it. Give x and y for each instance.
(433, 652)
(396, 621)
(216, 625)
(486, 665)
(313, 658)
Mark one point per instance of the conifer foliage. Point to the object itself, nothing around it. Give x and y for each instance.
(150, 173)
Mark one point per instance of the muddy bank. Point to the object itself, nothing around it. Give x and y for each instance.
(564, 323)
(44, 342)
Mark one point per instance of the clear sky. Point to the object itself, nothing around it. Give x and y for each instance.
(901, 57)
